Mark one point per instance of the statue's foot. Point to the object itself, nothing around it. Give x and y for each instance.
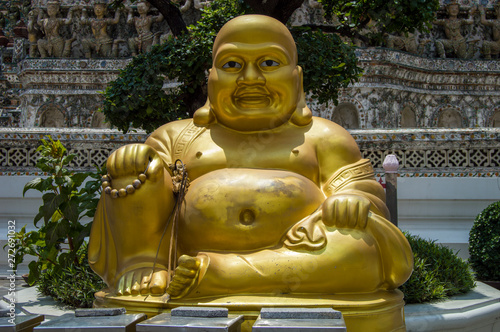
(142, 281)
(185, 276)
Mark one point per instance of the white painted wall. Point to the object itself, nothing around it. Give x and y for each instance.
(444, 209)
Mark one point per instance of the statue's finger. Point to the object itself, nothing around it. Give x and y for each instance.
(340, 215)
(189, 262)
(143, 154)
(183, 280)
(364, 210)
(185, 272)
(128, 158)
(353, 214)
(155, 168)
(327, 212)
(174, 290)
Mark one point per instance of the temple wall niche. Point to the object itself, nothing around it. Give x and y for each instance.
(449, 118)
(495, 119)
(98, 120)
(346, 115)
(408, 118)
(52, 117)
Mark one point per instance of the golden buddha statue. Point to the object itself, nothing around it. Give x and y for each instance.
(281, 209)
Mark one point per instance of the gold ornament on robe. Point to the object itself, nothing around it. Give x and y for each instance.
(281, 208)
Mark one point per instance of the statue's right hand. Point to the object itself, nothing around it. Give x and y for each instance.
(134, 159)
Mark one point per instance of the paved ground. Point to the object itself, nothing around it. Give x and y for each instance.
(5, 282)
(5, 286)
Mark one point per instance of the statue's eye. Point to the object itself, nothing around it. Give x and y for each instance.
(269, 63)
(232, 64)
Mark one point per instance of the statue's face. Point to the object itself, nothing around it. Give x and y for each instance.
(453, 10)
(52, 9)
(142, 8)
(254, 82)
(99, 9)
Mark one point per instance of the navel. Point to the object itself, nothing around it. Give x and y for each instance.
(247, 216)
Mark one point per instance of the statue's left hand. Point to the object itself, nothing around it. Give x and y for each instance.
(346, 211)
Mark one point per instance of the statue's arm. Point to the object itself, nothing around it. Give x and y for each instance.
(343, 171)
(39, 20)
(440, 21)
(84, 19)
(484, 21)
(116, 19)
(69, 18)
(184, 8)
(130, 16)
(158, 18)
(470, 19)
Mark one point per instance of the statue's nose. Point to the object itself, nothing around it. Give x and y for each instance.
(251, 74)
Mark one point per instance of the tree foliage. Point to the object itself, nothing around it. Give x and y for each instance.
(136, 98)
(388, 15)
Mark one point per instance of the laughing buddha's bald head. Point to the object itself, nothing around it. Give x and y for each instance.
(256, 29)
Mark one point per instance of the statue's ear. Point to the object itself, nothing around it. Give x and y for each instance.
(204, 116)
(302, 115)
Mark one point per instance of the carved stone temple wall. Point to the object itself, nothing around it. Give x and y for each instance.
(438, 112)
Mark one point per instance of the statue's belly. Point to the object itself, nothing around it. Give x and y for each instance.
(244, 209)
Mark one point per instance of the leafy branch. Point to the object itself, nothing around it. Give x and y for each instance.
(67, 198)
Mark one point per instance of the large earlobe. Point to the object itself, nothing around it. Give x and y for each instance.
(204, 116)
(302, 115)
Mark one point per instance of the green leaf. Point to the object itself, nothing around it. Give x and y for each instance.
(56, 232)
(51, 203)
(70, 209)
(33, 184)
(34, 273)
(66, 160)
(79, 178)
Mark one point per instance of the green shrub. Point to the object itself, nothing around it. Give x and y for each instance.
(61, 269)
(74, 285)
(438, 272)
(484, 243)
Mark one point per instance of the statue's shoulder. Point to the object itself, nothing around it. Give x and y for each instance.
(323, 128)
(332, 139)
(173, 129)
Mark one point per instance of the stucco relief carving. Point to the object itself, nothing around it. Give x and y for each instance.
(53, 44)
(455, 43)
(491, 48)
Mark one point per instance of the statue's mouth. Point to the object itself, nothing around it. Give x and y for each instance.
(252, 98)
